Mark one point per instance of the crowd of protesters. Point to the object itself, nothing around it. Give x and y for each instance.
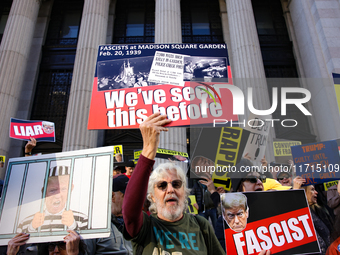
(148, 207)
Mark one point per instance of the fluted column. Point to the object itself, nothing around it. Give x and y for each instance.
(168, 30)
(248, 69)
(168, 27)
(14, 52)
(92, 33)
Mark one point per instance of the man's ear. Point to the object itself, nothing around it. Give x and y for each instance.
(153, 199)
(113, 197)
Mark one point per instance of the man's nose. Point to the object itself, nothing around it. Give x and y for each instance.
(258, 181)
(237, 219)
(170, 189)
(56, 249)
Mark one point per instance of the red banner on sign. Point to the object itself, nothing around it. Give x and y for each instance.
(128, 108)
(279, 233)
(24, 129)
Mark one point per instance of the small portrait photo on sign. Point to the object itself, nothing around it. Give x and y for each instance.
(235, 210)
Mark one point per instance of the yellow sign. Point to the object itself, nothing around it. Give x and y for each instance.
(136, 154)
(327, 185)
(117, 149)
(163, 151)
(282, 148)
(226, 156)
(2, 158)
(191, 202)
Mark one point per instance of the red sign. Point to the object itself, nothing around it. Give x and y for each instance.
(278, 233)
(24, 129)
(128, 108)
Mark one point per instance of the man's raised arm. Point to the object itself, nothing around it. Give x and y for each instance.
(136, 189)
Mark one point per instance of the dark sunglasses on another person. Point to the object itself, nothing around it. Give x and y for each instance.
(283, 177)
(61, 246)
(253, 179)
(176, 184)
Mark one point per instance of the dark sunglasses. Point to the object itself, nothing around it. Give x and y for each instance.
(176, 184)
(281, 178)
(61, 246)
(253, 179)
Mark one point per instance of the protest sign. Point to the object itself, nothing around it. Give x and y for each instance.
(186, 82)
(216, 151)
(167, 154)
(281, 229)
(317, 162)
(117, 149)
(257, 141)
(42, 131)
(282, 151)
(327, 185)
(191, 202)
(55, 187)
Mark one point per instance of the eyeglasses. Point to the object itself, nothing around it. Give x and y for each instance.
(281, 178)
(253, 179)
(176, 184)
(61, 246)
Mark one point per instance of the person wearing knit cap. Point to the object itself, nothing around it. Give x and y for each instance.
(55, 216)
(115, 243)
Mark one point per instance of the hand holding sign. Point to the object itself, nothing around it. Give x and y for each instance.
(30, 145)
(15, 243)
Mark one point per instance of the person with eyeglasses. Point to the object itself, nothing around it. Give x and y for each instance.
(72, 245)
(285, 178)
(168, 230)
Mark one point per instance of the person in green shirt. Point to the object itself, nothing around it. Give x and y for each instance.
(168, 230)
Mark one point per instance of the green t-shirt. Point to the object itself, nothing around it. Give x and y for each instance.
(182, 237)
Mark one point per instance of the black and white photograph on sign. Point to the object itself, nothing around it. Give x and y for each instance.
(124, 73)
(167, 68)
(46, 197)
(205, 69)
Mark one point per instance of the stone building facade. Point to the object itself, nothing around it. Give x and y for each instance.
(48, 54)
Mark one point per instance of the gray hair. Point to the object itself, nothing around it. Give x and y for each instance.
(232, 200)
(160, 172)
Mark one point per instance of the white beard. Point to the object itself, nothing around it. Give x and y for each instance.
(172, 212)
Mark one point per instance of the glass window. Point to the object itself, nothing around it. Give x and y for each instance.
(65, 20)
(5, 7)
(135, 24)
(200, 23)
(71, 25)
(264, 22)
(3, 21)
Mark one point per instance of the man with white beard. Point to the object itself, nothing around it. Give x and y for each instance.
(168, 230)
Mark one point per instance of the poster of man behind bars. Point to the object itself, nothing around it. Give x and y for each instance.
(49, 194)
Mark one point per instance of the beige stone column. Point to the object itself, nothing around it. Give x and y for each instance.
(14, 52)
(92, 33)
(314, 25)
(245, 51)
(168, 30)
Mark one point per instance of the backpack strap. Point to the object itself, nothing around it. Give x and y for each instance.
(200, 223)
